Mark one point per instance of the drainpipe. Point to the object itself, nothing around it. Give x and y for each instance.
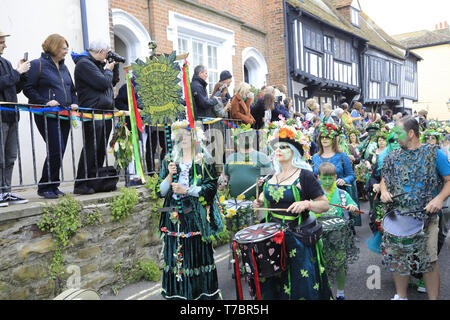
(84, 24)
(286, 48)
(149, 20)
(361, 72)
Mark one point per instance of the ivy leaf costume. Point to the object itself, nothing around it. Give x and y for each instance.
(195, 231)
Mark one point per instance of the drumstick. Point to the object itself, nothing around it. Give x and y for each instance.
(274, 209)
(336, 205)
(257, 189)
(256, 184)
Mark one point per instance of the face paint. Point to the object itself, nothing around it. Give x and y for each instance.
(400, 132)
(327, 181)
(285, 151)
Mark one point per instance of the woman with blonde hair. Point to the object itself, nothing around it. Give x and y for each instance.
(327, 110)
(240, 105)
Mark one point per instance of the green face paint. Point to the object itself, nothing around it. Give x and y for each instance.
(400, 133)
(286, 152)
(327, 181)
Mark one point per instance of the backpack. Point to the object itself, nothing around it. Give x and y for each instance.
(106, 181)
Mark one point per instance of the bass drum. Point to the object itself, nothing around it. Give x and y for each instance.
(78, 294)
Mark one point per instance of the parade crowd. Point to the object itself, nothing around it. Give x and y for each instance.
(289, 193)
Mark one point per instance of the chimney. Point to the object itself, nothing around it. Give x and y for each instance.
(441, 25)
(344, 8)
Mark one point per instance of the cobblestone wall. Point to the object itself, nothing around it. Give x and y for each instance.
(26, 251)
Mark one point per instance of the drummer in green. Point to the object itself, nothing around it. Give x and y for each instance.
(339, 247)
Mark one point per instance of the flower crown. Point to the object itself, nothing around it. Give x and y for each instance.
(179, 125)
(285, 130)
(353, 131)
(438, 133)
(329, 130)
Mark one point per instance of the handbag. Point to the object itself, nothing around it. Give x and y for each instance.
(106, 181)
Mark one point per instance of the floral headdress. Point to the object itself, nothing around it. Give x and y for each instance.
(329, 130)
(438, 133)
(180, 125)
(353, 131)
(286, 131)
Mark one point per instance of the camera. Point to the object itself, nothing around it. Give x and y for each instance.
(114, 57)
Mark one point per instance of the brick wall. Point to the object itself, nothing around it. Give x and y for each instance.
(256, 23)
(276, 52)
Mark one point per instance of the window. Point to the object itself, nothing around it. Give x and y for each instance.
(213, 72)
(354, 16)
(393, 72)
(203, 53)
(197, 53)
(182, 45)
(313, 39)
(409, 71)
(375, 70)
(342, 50)
(328, 44)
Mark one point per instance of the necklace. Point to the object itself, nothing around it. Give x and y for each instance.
(286, 178)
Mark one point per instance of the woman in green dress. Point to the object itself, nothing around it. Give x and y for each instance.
(190, 218)
(295, 188)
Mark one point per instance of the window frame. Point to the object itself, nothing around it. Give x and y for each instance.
(213, 71)
(354, 17)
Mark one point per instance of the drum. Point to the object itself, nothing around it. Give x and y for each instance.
(404, 243)
(401, 230)
(339, 247)
(262, 249)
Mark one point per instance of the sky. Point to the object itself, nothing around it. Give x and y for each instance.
(401, 16)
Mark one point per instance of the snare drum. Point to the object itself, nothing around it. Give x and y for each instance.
(262, 249)
(404, 243)
(339, 247)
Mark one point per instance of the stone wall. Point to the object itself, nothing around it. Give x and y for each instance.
(26, 251)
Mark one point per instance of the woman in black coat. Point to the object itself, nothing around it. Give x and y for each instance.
(50, 83)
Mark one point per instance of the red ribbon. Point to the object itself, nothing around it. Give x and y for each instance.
(139, 123)
(186, 96)
(257, 287)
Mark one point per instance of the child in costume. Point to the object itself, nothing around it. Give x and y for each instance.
(338, 241)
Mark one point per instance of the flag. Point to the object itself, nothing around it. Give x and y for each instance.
(134, 127)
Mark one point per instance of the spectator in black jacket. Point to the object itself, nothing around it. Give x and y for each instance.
(203, 105)
(50, 83)
(11, 83)
(94, 80)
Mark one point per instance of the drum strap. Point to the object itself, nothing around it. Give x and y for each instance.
(237, 273)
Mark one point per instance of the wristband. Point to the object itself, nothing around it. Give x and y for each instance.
(309, 204)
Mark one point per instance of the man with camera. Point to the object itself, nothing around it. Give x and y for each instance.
(11, 83)
(96, 73)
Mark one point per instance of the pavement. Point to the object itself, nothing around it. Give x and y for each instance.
(367, 278)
